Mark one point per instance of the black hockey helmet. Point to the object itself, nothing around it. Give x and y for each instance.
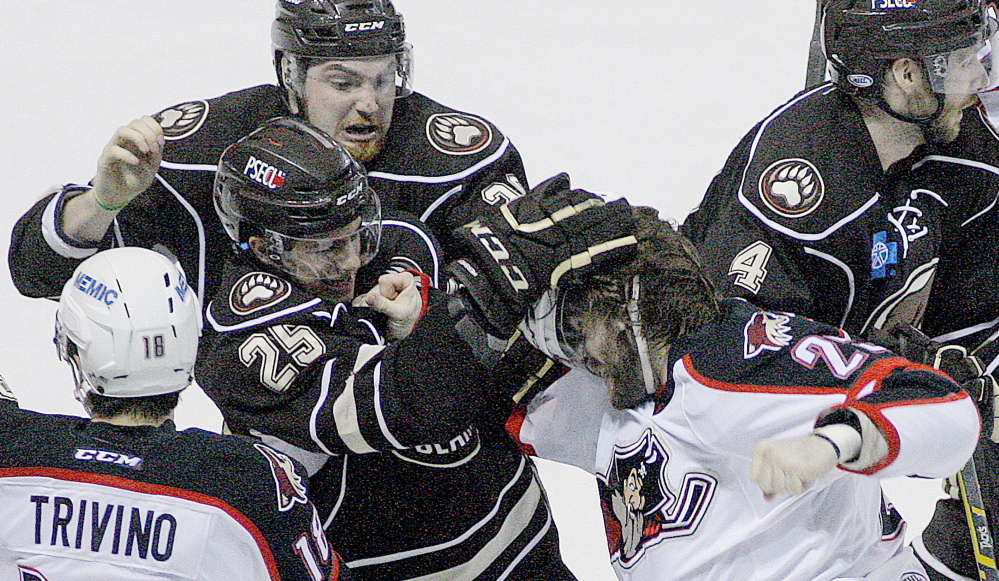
(862, 37)
(316, 30)
(291, 184)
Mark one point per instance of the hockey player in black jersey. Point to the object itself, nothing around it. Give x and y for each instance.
(815, 211)
(860, 208)
(343, 66)
(362, 393)
(126, 495)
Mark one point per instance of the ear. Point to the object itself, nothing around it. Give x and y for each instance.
(906, 74)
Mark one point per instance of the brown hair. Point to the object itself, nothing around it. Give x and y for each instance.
(675, 298)
(151, 407)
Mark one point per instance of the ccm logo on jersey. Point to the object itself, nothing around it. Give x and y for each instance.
(264, 173)
(364, 26)
(95, 288)
(892, 4)
(108, 457)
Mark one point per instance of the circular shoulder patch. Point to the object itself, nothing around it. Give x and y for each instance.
(256, 291)
(792, 187)
(182, 120)
(458, 133)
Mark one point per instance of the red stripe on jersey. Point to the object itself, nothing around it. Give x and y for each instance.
(753, 388)
(873, 412)
(513, 426)
(882, 368)
(156, 490)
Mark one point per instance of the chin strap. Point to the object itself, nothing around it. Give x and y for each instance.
(640, 343)
(884, 106)
(83, 385)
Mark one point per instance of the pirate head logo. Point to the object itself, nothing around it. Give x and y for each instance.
(256, 291)
(29, 574)
(766, 332)
(640, 509)
(290, 488)
(458, 133)
(182, 120)
(792, 188)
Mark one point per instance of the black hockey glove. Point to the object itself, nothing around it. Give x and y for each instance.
(955, 361)
(531, 244)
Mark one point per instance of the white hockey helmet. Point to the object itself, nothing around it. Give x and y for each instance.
(130, 316)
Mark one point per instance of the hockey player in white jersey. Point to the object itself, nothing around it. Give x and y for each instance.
(731, 442)
(125, 495)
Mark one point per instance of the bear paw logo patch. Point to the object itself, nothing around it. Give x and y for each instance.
(182, 120)
(792, 188)
(256, 291)
(458, 133)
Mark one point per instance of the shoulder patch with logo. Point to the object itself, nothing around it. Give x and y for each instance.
(182, 120)
(290, 488)
(458, 133)
(256, 291)
(766, 332)
(792, 188)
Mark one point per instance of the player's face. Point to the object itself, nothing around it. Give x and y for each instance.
(325, 267)
(956, 77)
(352, 100)
(609, 354)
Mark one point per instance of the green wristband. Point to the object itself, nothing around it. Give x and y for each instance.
(106, 207)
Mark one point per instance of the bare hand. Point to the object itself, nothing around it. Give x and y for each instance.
(129, 162)
(397, 296)
(789, 466)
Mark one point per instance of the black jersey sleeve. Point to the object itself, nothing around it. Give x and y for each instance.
(322, 377)
(175, 213)
(41, 256)
(804, 218)
(482, 192)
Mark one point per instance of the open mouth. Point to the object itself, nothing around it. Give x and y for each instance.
(362, 131)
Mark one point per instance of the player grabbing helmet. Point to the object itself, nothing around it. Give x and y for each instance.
(296, 201)
(659, 296)
(949, 38)
(128, 324)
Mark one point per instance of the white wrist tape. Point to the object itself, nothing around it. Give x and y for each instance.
(844, 438)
